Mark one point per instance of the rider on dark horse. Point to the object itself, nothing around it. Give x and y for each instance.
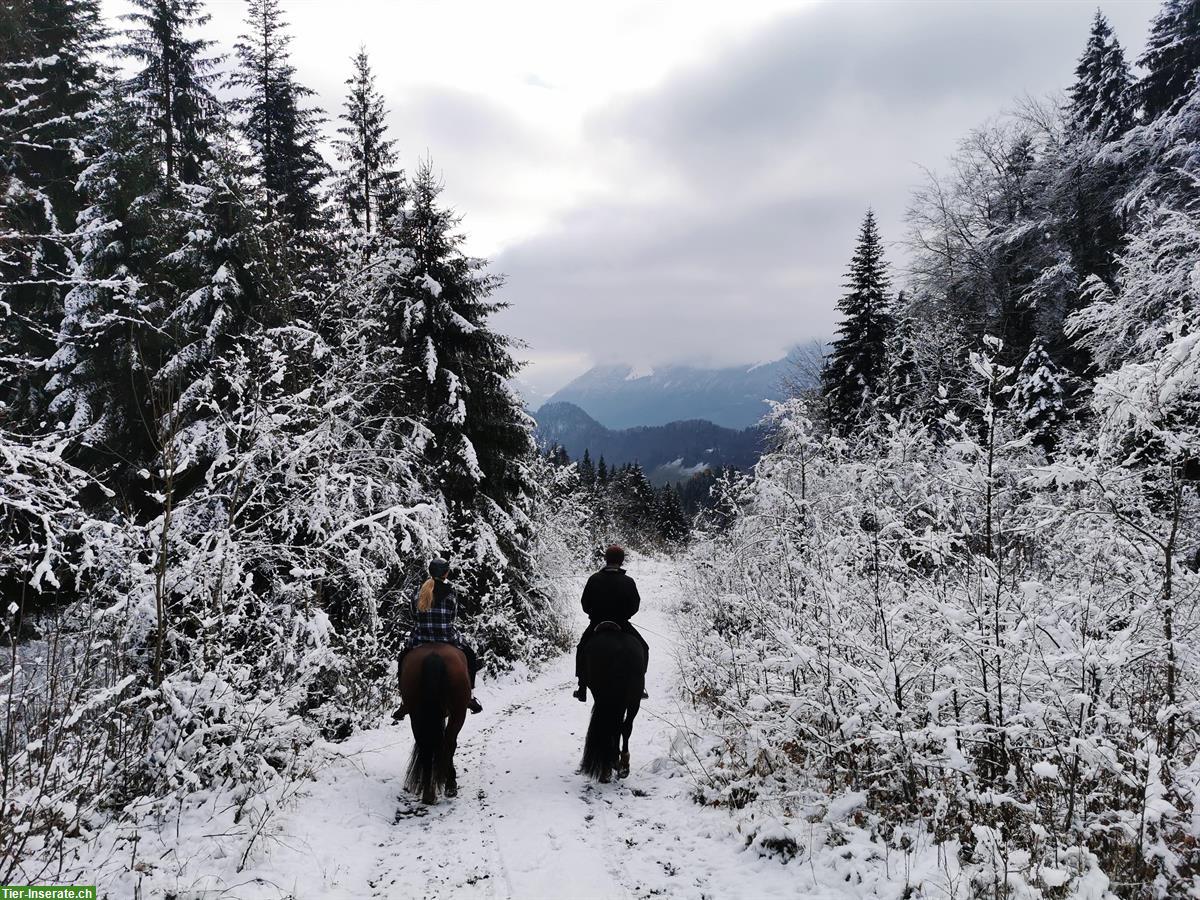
(434, 609)
(609, 596)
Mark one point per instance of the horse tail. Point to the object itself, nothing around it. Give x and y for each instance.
(600, 753)
(429, 725)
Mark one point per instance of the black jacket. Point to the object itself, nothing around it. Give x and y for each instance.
(610, 596)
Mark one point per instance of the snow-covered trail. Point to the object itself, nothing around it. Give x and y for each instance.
(525, 825)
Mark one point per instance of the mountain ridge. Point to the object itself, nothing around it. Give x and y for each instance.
(620, 396)
(672, 451)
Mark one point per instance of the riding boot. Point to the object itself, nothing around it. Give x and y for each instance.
(400, 713)
(474, 705)
(581, 694)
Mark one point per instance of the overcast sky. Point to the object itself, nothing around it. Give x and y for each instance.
(677, 180)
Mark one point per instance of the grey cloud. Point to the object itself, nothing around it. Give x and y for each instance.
(767, 154)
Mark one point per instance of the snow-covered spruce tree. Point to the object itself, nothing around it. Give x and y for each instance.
(1085, 181)
(1101, 102)
(901, 388)
(1041, 397)
(370, 188)
(110, 335)
(672, 523)
(856, 366)
(172, 83)
(1171, 58)
(281, 130)
(142, 203)
(50, 80)
(1160, 153)
(457, 371)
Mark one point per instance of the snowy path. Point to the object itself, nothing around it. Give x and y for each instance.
(524, 825)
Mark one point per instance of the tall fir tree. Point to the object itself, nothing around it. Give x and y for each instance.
(458, 373)
(281, 130)
(1171, 58)
(371, 187)
(852, 375)
(1100, 97)
(110, 339)
(50, 81)
(673, 526)
(172, 85)
(587, 470)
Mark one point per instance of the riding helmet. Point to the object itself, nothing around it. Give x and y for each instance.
(439, 568)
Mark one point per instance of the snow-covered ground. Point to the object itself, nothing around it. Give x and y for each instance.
(525, 825)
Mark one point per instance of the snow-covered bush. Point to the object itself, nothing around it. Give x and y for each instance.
(960, 635)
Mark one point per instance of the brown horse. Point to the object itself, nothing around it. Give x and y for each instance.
(436, 688)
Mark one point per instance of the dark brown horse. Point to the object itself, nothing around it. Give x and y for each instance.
(436, 688)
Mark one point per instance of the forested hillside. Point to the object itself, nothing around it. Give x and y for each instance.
(668, 453)
(956, 611)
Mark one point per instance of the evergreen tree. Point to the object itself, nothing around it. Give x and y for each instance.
(1040, 397)
(601, 471)
(370, 187)
(49, 84)
(672, 524)
(1084, 182)
(902, 383)
(587, 471)
(458, 372)
(172, 86)
(854, 371)
(110, 338)
(282, 133)
(1171, 57)
(224, 278)
(1100, 96)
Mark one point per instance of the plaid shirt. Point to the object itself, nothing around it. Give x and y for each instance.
(437, 624)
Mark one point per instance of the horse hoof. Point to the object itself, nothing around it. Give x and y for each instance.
(429, 798)
(622, 773)
(451, 791)
(605, 778)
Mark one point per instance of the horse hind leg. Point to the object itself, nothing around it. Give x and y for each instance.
(626, 731)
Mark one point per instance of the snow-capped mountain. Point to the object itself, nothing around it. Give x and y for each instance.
(621, 396)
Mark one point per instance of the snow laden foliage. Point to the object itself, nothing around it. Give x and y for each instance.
(958, 641)
(234, 431)
(49, 81)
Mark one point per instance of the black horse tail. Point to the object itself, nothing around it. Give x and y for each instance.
(600, 747)
(429, 727)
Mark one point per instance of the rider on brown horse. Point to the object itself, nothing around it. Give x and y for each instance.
(609, 596)
(434, 610)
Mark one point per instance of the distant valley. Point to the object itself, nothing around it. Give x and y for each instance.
(668, 453)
